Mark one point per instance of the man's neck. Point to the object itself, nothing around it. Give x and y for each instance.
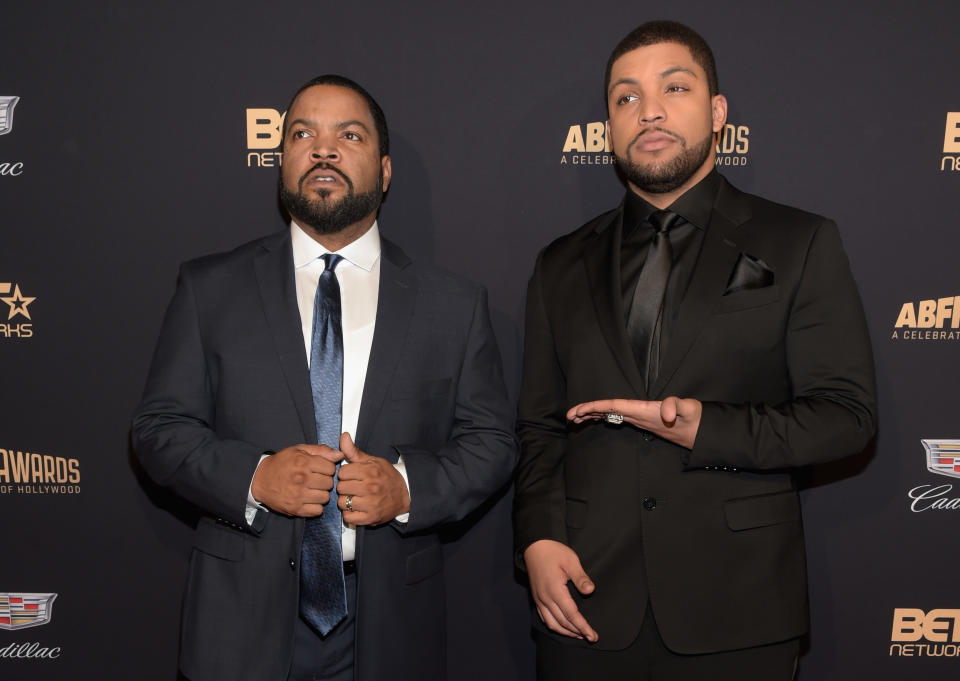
(666, 199)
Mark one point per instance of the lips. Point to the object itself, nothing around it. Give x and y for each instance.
(655, 140)
(323, 175)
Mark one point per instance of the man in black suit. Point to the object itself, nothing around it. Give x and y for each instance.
(328, 336)
(684, 353)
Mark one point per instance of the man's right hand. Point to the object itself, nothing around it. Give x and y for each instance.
(550, 566)
(296, 480)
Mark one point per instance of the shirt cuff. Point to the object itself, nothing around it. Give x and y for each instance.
(402, 470)
(250, 512)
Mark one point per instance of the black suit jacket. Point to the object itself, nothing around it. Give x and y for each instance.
(770, 336)
(230, 380)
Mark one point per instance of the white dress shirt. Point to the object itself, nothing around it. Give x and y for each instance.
(358, 275)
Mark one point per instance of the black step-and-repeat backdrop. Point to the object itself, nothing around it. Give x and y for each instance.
(134, 136)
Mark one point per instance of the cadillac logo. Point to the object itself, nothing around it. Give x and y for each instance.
(943, 457)
(22, 610)
(6, 113)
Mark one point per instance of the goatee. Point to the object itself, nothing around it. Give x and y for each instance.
(662, 178)
(326, 217)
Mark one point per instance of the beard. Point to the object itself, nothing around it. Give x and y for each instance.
(323, 216)
(662, 178)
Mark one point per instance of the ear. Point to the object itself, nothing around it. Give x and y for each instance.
(718, 107)
(387, 170)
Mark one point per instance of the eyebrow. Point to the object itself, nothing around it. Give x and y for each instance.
(340, 126)
(677, 69)
(348, 124)
(661, 75)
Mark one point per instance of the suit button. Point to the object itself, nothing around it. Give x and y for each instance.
(647, 435)
(649, 503)
(293, 564)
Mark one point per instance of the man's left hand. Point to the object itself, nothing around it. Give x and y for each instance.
(376, 490)
(675, 419)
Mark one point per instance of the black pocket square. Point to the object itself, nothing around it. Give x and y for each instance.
(749, 273)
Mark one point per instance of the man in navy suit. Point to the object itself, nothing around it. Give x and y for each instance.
(239, 392)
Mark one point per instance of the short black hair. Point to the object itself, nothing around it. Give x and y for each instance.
(655, 32)
(379, 119)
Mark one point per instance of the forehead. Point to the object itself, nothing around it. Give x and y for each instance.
(654, 60)
(330, 103)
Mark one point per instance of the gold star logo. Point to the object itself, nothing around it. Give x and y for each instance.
(17, 302)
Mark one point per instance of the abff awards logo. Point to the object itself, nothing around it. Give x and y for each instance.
(934, 319)
(589, 144)
(23, 472)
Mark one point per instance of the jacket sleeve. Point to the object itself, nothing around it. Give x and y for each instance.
(172, 430)
(832, 412)
(542, 425)
(480, 453)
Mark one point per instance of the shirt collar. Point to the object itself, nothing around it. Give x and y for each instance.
(363, 252)
(695, 205)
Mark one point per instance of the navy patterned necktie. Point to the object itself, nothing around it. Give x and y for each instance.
(323, 598)
(646, 310)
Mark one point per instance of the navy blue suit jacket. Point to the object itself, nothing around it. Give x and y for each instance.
(230, 381)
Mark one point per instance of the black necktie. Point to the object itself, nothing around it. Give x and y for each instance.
(643, 321)
(323, 599)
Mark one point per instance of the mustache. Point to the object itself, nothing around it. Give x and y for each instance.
(323, 165)
(654, 128)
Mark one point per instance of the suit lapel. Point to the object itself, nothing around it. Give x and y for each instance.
(601, 256)
(716, 260)
(395, 304)
(278, 293)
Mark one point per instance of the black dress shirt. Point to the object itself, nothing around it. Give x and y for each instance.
(695, 207)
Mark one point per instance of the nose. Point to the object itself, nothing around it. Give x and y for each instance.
(652, 111)
(325, 149)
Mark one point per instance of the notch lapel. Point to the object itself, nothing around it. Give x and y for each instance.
(395, 304)
(601, 256)
(278, 297)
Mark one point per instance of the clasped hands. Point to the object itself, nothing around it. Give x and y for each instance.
(552, 564)
(297, 481)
